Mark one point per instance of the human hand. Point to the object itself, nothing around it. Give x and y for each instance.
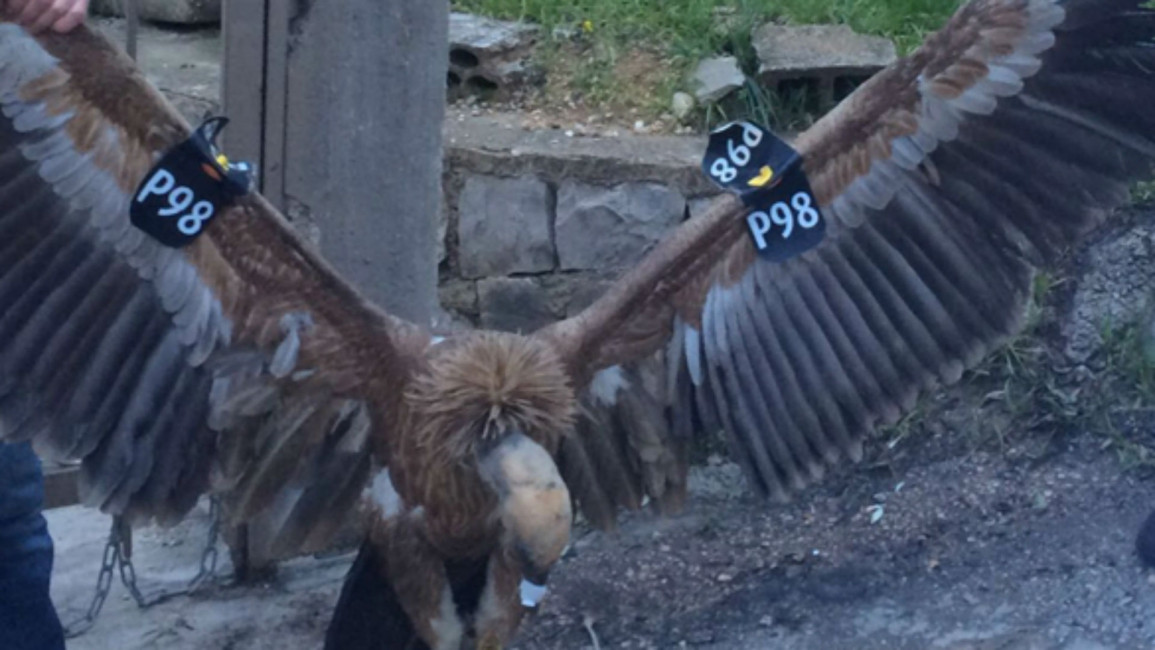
(38, 15)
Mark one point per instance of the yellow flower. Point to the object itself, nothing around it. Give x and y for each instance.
(587, 26)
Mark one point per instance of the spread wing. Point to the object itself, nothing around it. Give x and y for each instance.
(944, 180)
(242, 359)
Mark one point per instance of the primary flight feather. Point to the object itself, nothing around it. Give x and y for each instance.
(243, 363)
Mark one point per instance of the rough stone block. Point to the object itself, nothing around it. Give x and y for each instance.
(603, 228)
(184, 12)
(832, 59)
(459, 296)
(514, 305)
(487, 55)
(504, 226)
(792, 51)
(717, 77)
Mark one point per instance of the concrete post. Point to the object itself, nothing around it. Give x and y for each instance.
(341, 103)
(362, 147)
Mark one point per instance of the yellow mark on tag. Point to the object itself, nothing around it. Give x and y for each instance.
(762, 178)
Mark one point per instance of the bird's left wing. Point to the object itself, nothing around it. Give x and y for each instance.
(242, 356)
(1010, 132)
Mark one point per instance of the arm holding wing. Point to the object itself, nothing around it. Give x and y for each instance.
(37, 15)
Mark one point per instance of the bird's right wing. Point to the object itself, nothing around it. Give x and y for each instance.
(242, 356)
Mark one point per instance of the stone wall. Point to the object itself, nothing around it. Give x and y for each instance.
(536, 224)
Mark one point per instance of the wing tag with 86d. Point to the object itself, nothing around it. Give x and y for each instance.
(767, 174)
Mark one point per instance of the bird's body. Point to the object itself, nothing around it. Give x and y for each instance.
(245, 365)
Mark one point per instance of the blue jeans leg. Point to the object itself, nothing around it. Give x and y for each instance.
(28, 620)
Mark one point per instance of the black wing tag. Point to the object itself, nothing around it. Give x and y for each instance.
(190, 186)
(767, 174)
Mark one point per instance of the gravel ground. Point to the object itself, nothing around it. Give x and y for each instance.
(1027, 547)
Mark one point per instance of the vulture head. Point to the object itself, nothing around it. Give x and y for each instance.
(494, 408)
(241, 363)
(533, 504)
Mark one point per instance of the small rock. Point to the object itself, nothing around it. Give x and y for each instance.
(766, 621)
(1040, 502)
(725, 577)
(640, 126)
(717, 77)
(682, 104)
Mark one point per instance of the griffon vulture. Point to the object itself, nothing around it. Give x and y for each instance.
(243, 364)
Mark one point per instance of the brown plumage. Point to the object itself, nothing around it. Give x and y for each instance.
(245, 365)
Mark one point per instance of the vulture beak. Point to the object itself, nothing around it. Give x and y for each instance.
(534, 508)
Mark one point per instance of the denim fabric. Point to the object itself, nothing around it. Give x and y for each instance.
(28, 620)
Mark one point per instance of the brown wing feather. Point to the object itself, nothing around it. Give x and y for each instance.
(243, 357)
(625, 450)
(1009, 133)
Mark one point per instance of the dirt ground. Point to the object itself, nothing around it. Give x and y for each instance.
(1026, 547)
(982, 546)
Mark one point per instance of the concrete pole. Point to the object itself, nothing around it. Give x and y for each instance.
(341, 102)
(132, 17)
(362, 150)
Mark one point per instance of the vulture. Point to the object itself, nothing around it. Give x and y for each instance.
(242, 364)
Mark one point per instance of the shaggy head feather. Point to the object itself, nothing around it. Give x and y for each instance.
(486, 385)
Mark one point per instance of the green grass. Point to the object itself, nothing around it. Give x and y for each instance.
(699, 27)
(586, 40)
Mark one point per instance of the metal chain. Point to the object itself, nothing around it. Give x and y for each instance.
(103, 585)
(118, 553)
(210, 556)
